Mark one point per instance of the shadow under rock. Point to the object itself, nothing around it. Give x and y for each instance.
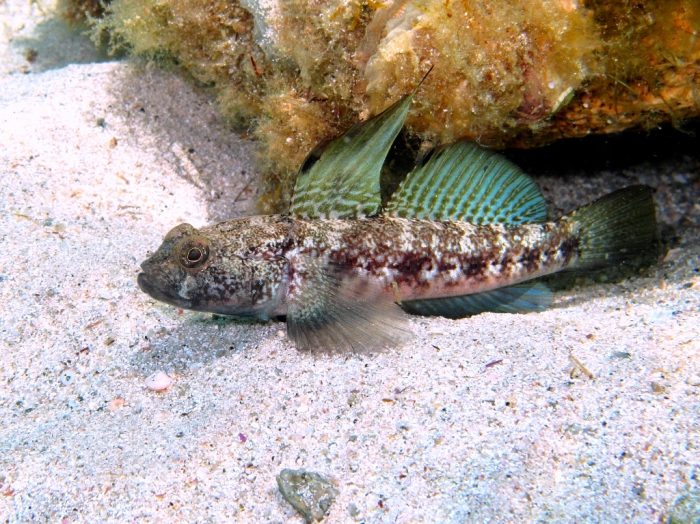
(610, 152)
(55, 44)
(574, 172)
(183, 125)
(200, 340)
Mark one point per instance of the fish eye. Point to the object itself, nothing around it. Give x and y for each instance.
(194, 252)
(194, 255)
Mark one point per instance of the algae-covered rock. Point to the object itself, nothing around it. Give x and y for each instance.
(79, 11)
(685, 509)
(309, 493)
(520, 73)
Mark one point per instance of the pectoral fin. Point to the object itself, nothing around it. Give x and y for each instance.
(331, 308)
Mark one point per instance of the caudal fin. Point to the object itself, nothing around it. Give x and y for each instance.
(615, 228)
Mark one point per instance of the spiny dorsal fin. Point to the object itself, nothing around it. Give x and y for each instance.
(333, 308)
(466, 182)
(343, 181)
(519, 298)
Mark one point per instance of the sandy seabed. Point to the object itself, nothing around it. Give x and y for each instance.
(482, 419)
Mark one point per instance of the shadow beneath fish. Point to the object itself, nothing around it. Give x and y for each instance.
(201, 339)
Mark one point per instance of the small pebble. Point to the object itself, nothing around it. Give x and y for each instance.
(159, 381)
(693, 380)
(67, 377)
(657, 387)
(115, 404)
(685, 509)
(620, 354)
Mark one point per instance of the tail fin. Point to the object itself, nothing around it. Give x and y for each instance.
(615, 228)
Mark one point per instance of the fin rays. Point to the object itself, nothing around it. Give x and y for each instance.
(466, 182)
(518, 298)
(352, 162)
(615, 228)
(339, 309)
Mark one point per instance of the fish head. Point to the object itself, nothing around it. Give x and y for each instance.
(198, 271)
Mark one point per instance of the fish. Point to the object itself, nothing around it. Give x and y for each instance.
(465, 232)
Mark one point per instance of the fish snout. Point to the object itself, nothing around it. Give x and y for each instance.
(164, 291)
(142, 281)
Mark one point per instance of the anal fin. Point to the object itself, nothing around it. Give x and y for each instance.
(336, 309)
(518, 298)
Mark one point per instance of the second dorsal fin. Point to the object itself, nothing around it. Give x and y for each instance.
(469, 183)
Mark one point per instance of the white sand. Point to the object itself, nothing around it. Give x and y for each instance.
(427, 433)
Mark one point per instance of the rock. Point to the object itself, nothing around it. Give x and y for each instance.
(303, 72)
(67, 377)
(685, 509)
(309, 493)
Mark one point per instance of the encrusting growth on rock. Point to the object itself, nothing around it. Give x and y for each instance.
(519, 74)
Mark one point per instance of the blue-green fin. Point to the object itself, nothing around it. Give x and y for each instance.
(332, 308)
(614, 228)
(518, 298)
(469, 183)
(340, 179)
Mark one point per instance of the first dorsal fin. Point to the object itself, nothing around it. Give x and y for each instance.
(342, 180)
(468, 183)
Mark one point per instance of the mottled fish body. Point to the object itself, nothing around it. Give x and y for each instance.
(465, 233)
(422, 259)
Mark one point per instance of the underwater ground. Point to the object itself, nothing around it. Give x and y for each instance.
(588, 412)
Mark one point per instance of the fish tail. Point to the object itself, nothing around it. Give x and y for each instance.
(615, 228)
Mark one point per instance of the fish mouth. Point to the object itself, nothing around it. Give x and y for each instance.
(149, 286)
